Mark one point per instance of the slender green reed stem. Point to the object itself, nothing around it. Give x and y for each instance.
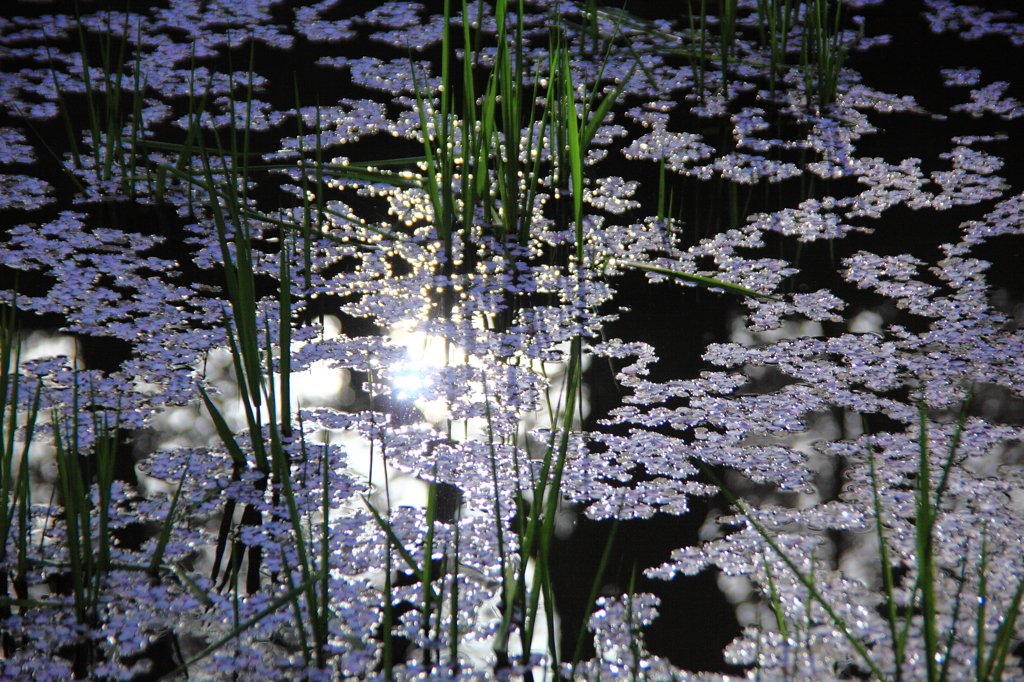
(708, 282)
(981, 666)
(1001, 648)
(595, 590)
(453, 604)
(727, 39)
(888, 580)
(773, 593)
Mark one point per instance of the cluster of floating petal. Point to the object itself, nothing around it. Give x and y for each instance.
(505, 312)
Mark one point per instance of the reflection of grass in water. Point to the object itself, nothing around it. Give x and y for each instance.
(479, 183)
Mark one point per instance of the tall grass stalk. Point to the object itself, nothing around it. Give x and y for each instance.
(822, 51)
(73, 487)
(727, 38)
(775, 18)
(805, 579)
(242, 627)
(817, 25)
(699, 26)
(105, 119)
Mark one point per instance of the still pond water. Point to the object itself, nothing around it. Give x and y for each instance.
(886, 225)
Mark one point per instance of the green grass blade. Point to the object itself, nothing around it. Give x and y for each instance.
(954, 446)
(925, 545)
(595, 589)
(947, 658)
(496, 486)
(105, 452)
(224, 532)
(408, 558)
(191, 585)
(980, 662)
(427, 592)
(387, 618)
(599, 114)
(94, 116)
(888, 580)
(702, 281)
(453, 605)
(223, 430)
(168, 524)
(325, 544)
(10, 364)
(300, 623)
(576, 151)
(23, 491)
(76, 514)
(1004, 636)
(550, 496)
(284, 337)
(773, 593)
